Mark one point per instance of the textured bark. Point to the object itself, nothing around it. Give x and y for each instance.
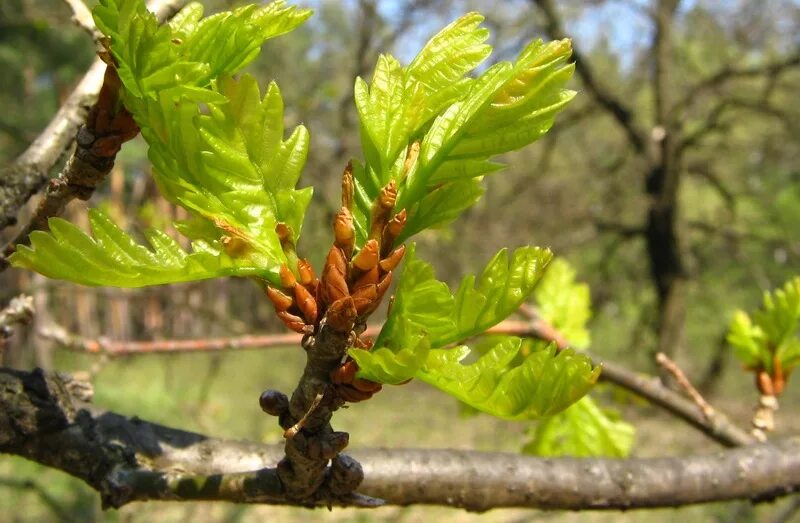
(127, 459)
(304, 472)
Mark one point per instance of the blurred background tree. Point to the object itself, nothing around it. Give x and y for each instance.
(671, 183)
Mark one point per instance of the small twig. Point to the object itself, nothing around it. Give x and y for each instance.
(82, 17)
(680, 377)
(117, 348)
(19, 311)
(297, 427)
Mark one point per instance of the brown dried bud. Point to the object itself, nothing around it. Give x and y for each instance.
(412, 153)
(342, 314)
(388, 196)
(273, 402)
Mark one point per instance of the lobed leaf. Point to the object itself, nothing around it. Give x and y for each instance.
(191, 50)
(459, 122)
(564, 303)
(479, 303)
(111, 257)
(772, 332)
(544, 383)
(582, 430)
(425, 317)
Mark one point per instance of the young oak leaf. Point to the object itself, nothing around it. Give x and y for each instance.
(190, 51)
(425, 317)
(772, 332)
(544, 383)
(111, 257)
(230, 167)
(458, 122)
(582, 430)
(564, 303)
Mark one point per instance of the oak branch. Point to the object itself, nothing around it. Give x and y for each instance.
(43, 417)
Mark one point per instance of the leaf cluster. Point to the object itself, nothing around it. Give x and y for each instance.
(770, 336)
(426, 319)
(433, 130)
(216, 146)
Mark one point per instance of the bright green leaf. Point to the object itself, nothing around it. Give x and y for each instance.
(111, 257)
(544, 383)
(564, 303)
(582, 430)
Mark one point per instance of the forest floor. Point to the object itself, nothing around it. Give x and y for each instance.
(217, 394)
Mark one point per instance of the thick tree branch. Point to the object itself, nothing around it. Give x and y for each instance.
(127, 459)
(28, 174)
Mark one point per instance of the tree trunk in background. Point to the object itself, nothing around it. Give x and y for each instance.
(663, 246)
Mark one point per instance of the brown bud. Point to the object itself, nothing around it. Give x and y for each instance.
(380, 290)
(351, 394)
(366, 385)
(365, 298)
(306, 303)
(344, 373)
(368, 256)
(281, 301)
(286, 237)
(764, 383)
(334, 276)
(370, 277)
(344, 232)
(306, 271)
(778, 376)
(296, 323)
(391, 261)
(393, 230)
(287, 277)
